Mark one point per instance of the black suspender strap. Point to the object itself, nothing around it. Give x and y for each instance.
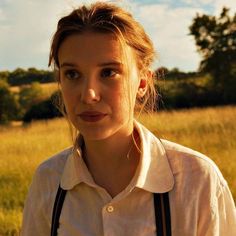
(162, 214)
(161, 205)
(60, 197)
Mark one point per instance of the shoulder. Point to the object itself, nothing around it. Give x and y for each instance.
(52, 169)
(40, 198)
(46, 179)
(192, 164)
(186, 163)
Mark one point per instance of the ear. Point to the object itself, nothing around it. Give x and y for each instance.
(142, 88)
(143, 83)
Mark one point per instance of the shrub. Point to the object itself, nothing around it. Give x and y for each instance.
(42, 111)
(30, 95)
(9, 107)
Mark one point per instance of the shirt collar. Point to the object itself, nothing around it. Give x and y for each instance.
(75, 170)
(153, 173)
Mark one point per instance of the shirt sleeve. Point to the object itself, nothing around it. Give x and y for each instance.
(36, 220)
(226, 217)
(222, 218)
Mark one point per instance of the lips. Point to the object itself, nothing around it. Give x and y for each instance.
(92, 116)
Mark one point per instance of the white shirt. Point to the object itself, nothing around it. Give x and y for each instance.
(200, 201)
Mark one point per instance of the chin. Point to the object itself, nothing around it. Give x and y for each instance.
(93, 132)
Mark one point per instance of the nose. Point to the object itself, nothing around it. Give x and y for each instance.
(90, 94)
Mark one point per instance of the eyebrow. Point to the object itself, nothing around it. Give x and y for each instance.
(67, 64)
(112, 63)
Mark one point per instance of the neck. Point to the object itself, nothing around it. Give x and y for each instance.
(112, 162)
(111, 151)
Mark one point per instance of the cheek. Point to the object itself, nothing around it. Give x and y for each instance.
(69, 98)
(121, 103)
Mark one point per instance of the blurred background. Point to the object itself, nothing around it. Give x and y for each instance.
(196, 70)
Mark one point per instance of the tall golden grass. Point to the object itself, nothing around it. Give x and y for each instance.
(211, 131)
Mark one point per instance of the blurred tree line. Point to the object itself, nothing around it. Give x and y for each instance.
(215, 38)
(213, 84)
(30, 103)
(20, 76)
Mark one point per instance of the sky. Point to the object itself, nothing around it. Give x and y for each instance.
(27, 26)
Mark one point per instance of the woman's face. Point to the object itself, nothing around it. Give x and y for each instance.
(99, 96)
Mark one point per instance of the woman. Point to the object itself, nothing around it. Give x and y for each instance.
(119, 179)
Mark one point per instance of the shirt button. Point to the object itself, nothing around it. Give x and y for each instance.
(110, 209)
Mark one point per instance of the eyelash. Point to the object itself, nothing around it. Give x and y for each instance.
(68, 73)
(112, 72)
(72, 74)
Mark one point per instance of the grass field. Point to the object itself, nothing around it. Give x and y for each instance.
(211, 131)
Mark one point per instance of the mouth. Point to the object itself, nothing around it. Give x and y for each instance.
(92, 116)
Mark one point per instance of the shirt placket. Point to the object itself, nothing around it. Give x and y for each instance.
(109, 215)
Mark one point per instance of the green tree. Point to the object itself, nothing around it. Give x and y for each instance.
(20, 76)
(215, 38)
(30, 95)
(9, 107)
(4, 75)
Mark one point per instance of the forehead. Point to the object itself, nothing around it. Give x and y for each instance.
(92, 48)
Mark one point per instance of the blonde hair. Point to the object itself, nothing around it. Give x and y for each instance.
(105, 18)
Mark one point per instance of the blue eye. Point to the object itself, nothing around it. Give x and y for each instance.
(107, 72)
(72, 74)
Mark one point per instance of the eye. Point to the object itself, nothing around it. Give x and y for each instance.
(72, 74)
(108, 72)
